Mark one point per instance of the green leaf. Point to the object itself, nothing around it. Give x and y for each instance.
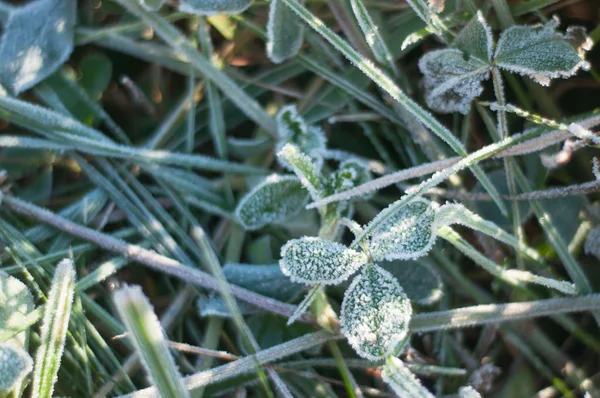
(37, 38)
(149, 340)
(421, 283)
(538, 52)
(275, 199)
(152, 5)
(54, 330)
(375, 313)
(402, 380)
(267, 280)
(213, 7)
(351, 173)
(305, 168)
(408, 234)
(313, 260)
(451, 81)
(475, 39)
(285, 32)
(292, 129)
(15, 365)
(16, 302)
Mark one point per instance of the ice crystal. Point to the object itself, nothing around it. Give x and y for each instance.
(408, 234)
(375, 313)
(275, 199)
(313, 260)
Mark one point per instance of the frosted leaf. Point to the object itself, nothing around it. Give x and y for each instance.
(375, 313)
(351, 173)
(292, 129)
(213, 7)
(475, 39)
(304, 167)
(451, 81)
(267, 280)
(285, 32)
(15, 365)
(592, 242)
(275, 199)
(37, 40)
(16, 302)
(313, 260)
(408, 234)
(540, 53)
(468, 392)
(421, 283)
(402, 380)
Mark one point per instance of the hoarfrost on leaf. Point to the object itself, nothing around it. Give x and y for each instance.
(468, 392)
(305, 168)
(375, 313)
(15, 365)
(592, 242)
(37, 40)
(402, 380)
(408, 234)
(451, 81)
(475, 39)
(285, 32)
(16, 302)
(275, 199)
(351, 173)
(313, 260)
(213, 7)
(292, 129)
(538, 52)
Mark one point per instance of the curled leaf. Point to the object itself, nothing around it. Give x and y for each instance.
(37, 38)
(285, 32)
(15, 365)
(292, 129)
(540, 53)
(213, 7)
(313, 260)
(408, 234)
(451, 81)
(375, 313)
(275, 199)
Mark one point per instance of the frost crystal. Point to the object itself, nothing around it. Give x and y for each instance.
(213, 7)
(375, 313)
(15, 365)
(408, 234)
(292, 129)
(538, 52)
(313, 260)
(275, 199)
(37, 40)
(285, 31)
(451, 82)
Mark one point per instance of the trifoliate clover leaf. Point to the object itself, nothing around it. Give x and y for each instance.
(421, 283)
(213, 7)
(313, 260)
(475, 39)
(305, 168)
(275, 199)
(451, 81)
(15, 365)
(375, 313)
(285, 32)
(16, 302)
(292, 129)
(408, 234)
(540, 53)
(37, 40)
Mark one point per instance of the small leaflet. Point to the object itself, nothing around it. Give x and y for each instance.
(313, 260)
(451, 81)
(15, 365)
(375, 313)
(475, 39)
(304, 167)
(292, 129)
(213, 7)
(285, 32)
(408, 234)
(37, 39)
(16, 302)
(540, 53)
(275, 199)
